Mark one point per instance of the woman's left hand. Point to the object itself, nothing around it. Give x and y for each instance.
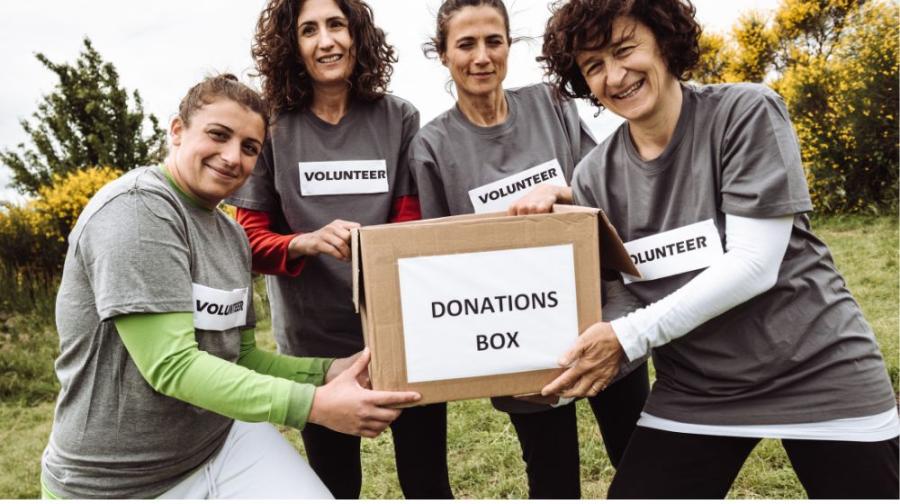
(341, 365)
(593, 362)
(540, 200)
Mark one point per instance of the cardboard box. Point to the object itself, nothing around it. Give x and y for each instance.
(480, 306)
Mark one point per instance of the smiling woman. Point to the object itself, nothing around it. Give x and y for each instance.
(164, 392)
(752, 329)
(336, 159)
(513, 150)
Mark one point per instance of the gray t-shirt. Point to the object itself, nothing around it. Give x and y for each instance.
(451, 156)
(800, 352)
(138, 247)
(309, 174)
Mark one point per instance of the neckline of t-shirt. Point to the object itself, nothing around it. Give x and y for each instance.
(661, 162)
(324, 125)
(495, 130)
(194, 202)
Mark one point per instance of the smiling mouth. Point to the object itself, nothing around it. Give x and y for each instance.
(332, 58)
(223, 172)
(631, 91)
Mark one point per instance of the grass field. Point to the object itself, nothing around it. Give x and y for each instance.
(484, 455)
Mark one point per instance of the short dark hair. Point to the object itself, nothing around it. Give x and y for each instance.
(219, 86)
(577, 25)
(286, 84)
(437, 46)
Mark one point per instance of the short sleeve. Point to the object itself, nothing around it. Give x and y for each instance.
(136, 253)
(580, 137)
(582, 194)
(426, 173)
(258, 193)
(404, 184)
(762, 171)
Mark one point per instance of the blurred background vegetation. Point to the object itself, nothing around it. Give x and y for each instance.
(835, 62)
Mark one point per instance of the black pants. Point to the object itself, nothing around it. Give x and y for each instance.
(549, 439)
(420, 449)
(660, 464)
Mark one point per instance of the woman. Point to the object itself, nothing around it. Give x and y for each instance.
(507, 139)
(753, 331)
(335, 160)
(160, 374)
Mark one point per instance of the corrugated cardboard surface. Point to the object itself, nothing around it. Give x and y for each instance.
(377, 286)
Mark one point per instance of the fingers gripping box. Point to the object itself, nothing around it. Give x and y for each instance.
(480, 306)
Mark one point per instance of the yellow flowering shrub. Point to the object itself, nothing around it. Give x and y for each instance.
(33, 235)
(836, 64)
(60, 204)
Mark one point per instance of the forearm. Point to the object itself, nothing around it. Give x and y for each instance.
(750, 267)
(165, 351)
(309, 370)
(272, 253)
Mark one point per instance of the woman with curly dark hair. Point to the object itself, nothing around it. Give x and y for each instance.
(496, 138)
(335, 159)
(753, 331)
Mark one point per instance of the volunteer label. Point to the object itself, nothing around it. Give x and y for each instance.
(343, 177)
(673, 252)
(498, 196)
(486, 313)
(218, 310)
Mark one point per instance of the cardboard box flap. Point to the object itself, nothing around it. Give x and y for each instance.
(355, 268)
(612, 251)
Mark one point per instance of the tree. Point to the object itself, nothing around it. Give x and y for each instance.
(86, 121)
(835, 62)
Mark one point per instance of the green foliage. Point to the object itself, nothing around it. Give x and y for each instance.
(86, 121)
(835, 62)
(33, 236)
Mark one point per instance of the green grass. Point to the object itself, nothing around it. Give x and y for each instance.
(484, 456)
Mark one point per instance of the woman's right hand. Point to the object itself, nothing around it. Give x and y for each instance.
(540, 200)
(343, 405)
(333, 239)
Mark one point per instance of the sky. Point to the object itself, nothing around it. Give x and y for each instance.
(163, 47)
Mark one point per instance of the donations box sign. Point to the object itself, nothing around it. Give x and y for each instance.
(487, 313)
(478, 306)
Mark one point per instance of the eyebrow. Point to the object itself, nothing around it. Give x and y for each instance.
(220, 125)
(313, 21)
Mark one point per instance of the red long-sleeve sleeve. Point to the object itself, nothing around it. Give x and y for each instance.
(269, 249)
(405, 208)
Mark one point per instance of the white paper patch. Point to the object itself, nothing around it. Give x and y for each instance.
(219, 310)
(343, 177)
(498, 196)
(486, 313)
(676, 251)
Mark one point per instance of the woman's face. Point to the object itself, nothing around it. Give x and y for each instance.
(477, 50)
(215, 154)
(326, 46)
(629, 76)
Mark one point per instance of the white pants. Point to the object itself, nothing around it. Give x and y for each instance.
(256, 462)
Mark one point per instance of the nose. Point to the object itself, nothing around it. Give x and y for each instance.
(481, 55)
(231, 153)
(326, 41)
(615, 73)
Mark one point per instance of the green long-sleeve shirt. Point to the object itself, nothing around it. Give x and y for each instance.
(263, 387)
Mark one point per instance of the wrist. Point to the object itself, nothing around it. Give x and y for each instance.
(627, 338)
(296, 247)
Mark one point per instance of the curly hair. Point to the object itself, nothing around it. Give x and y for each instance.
(437, 45)
(578, 25)
(286, 84)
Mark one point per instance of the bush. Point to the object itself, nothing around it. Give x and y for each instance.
(33, 237)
